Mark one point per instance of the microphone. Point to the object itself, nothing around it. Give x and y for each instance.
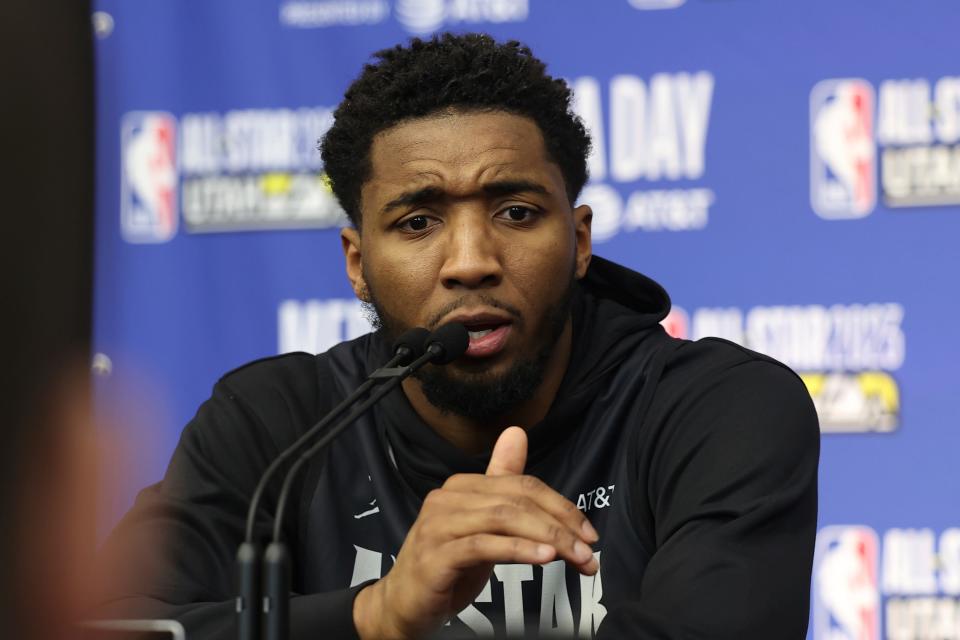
(409, 346)
(444, 345)
(448, 343)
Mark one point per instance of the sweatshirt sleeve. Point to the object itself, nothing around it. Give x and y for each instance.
(731, 488)
(173, 555)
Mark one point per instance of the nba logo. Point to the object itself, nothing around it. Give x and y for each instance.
(846, 598)
(842, 149)
(148, 206)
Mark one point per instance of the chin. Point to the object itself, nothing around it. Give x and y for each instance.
(482, 390)
(478, 369)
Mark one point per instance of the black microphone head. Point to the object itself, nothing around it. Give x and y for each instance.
(415, 343)
(448, 343)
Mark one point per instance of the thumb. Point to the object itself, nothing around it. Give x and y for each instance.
(509, 455)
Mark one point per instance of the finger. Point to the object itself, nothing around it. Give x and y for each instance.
(507, 518)
(491, 548)
(509, 455)
(481, 548)
(449, 514)
(532, 488)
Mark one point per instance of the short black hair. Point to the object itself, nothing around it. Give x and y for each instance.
(472, 72)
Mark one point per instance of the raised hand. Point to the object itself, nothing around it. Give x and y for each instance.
(464, 528)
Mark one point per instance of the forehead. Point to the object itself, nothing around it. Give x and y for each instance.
(457, 151)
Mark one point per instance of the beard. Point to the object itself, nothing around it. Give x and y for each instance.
(478, 394)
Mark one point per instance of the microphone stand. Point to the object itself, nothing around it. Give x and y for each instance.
(248, 605)
(276, 602)
(445, 345)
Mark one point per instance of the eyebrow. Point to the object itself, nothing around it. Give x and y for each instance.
(432, 194)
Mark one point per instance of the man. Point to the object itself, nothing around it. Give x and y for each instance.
(655, 488)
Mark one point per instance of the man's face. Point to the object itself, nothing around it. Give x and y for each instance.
(465, 219)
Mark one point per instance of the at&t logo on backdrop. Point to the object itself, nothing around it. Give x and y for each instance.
(842, 149)
(656, 4)
(649, 151)
(148, 181)
(418, 17)
(421, 17)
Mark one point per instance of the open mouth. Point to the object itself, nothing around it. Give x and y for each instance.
(486, 338)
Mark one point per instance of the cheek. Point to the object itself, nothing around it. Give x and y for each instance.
(402, 283)
(542, 272)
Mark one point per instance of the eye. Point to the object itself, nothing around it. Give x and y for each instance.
(416, 224)
(518, 213)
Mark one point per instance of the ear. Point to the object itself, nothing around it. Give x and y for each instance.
(353, 257)
(582, 219)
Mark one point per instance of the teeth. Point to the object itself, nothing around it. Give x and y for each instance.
(478, 334)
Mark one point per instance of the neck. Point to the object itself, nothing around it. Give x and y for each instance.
(473, 436)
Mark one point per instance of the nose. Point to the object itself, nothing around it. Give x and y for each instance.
(472, 253)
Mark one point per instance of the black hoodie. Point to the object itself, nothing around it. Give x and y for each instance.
(695, 461)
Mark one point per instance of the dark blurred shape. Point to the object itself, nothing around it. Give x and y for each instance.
(46, 175)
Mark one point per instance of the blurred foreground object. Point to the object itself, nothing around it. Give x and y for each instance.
(47, 481)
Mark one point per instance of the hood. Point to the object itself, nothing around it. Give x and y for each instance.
(635, 291)
(614, 310)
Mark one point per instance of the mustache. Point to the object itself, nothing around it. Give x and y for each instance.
(473, 300)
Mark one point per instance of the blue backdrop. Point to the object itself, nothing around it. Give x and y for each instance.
(790, 171)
